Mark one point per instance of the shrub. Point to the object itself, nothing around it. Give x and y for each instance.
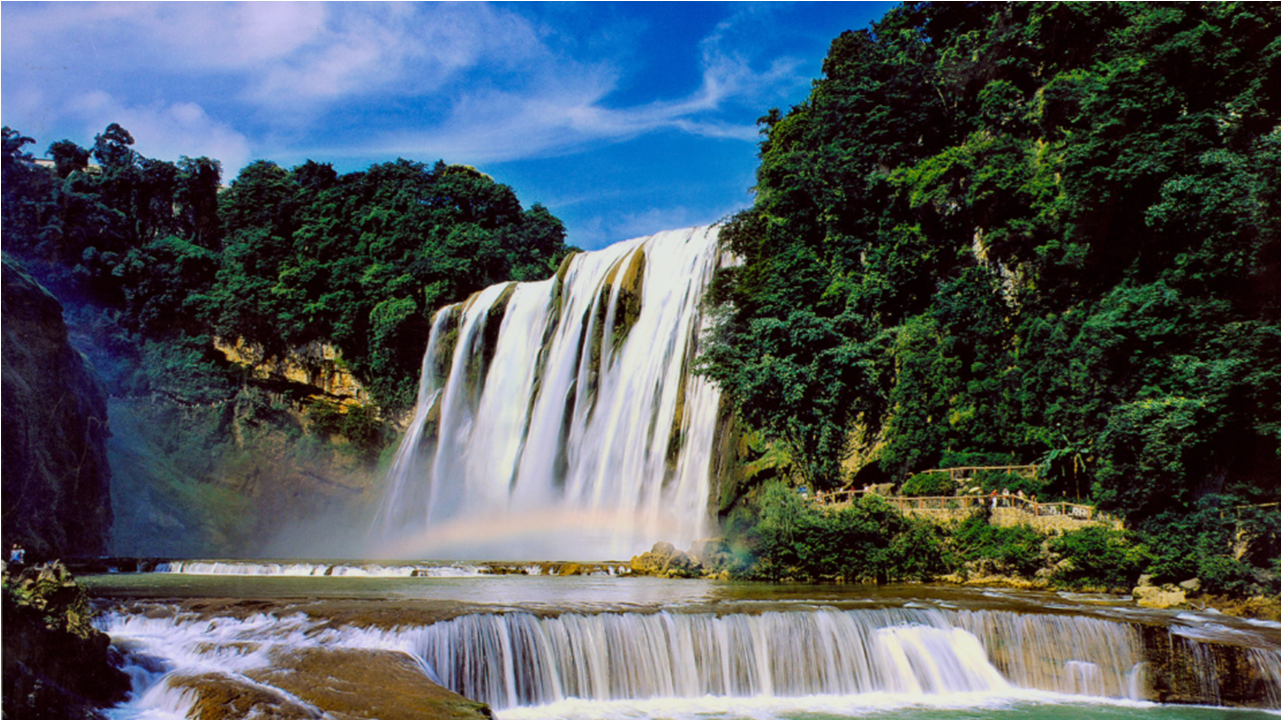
(1013, 549)
(1226, 575)
(1008, 481)
(1098, 557)
(929, 484)
(866, 541)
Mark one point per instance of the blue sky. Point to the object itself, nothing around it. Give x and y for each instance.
(624, 119)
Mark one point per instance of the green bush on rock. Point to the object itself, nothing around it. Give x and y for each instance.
(929, 484)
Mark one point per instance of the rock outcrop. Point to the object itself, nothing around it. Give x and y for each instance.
(327, 683)
(56, 497)
(665, 560)
(317, 365)
(56, 664)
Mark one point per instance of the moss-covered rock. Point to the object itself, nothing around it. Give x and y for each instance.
(56, 664)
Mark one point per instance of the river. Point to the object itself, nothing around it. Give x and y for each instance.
(534, 644)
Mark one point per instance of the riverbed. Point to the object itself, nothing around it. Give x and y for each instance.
(533, 644)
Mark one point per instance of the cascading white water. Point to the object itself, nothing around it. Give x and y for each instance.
(520, 659)
(565, 408)
(893, 656)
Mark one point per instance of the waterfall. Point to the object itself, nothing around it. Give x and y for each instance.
(892, 656)
(521, 659)
(562, 417)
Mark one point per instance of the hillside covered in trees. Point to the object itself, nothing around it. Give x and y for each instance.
(1024, 233)
(162, 257)
(154, 261)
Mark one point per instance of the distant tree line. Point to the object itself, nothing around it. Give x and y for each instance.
(155, 257)
(1022, 233)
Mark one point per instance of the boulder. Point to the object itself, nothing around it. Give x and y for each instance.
(1164, 596)
(665, 560)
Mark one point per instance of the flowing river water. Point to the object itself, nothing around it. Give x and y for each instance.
(534, 644)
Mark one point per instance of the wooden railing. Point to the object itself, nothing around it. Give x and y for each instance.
(959, 473)
(962, 503)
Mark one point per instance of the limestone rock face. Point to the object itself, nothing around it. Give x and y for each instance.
(1165, 596)
(316, 364)
(56, 479)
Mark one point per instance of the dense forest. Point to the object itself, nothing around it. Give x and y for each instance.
(1041, 233)
(156, 257)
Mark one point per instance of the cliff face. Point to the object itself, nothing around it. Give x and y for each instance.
(56, 497)
(227, 479)
(316, 365)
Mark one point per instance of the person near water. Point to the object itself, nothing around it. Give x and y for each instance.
(18, 555)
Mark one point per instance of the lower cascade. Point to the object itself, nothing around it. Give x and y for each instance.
(891, 656)
(521, 659)
(562, 417)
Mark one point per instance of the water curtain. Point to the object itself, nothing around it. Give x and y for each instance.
(563, 416)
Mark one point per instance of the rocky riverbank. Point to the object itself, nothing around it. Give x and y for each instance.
(714, 559)
(56, 664)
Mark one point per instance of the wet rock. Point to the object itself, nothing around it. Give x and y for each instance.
(1193, 585)
(665, 560)
(366, 684)
(711, 552)
(216, 696)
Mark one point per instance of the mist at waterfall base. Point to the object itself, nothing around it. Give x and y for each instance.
(561, 419)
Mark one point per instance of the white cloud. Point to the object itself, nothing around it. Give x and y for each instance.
(483, 82)
(204, 36)
(561, 106)
(165, 131)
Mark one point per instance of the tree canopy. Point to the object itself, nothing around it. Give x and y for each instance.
(1037, 231)
(279, 258)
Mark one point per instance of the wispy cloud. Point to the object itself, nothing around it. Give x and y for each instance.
(164, 130)
(487, 82)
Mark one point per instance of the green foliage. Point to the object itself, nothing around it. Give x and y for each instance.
(1011, 549)
(1098, 557)
(1017, 232)
(154, 256)
(364, 259)
(1010, 481)
(1205, 542)
(359, 425)
(929, 484)
(866, 541)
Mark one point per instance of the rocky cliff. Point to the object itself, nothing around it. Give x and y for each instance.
(56, 497)
(316, 366)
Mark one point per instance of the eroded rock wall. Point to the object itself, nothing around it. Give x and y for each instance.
(56, 494)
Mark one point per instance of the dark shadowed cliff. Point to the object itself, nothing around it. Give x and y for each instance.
(56, 499)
